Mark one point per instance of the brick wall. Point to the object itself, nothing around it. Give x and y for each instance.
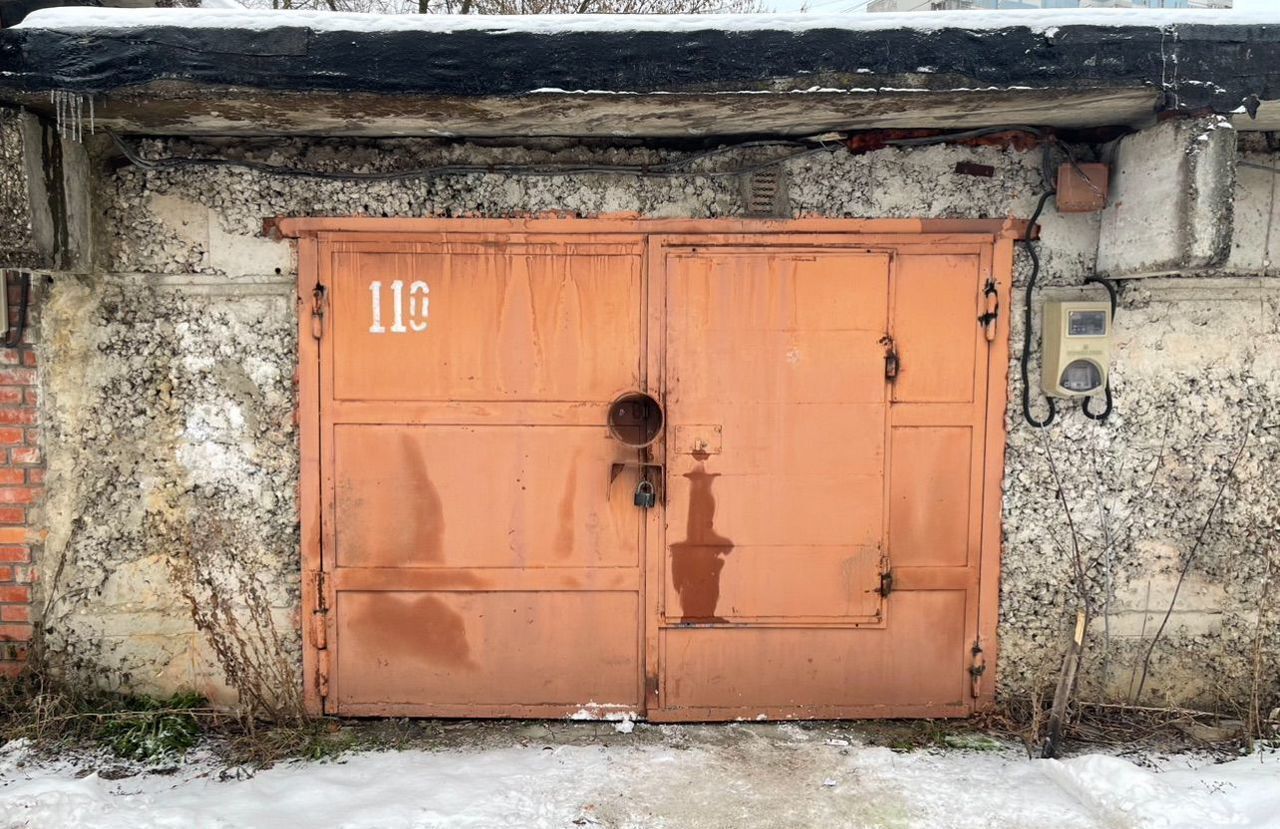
(21, 483)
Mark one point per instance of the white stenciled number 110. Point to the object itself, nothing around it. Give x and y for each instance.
(418, 307)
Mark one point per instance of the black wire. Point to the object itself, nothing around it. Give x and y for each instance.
(676, 167)
(1047, 174)
(928, 140)
(15, 336)
(1026, 322)
(1106, 412)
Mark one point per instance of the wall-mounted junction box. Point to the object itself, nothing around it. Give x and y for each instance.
(1082, 188)
(1076, 346)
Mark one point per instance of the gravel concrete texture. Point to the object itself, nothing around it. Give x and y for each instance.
(168, 388)
(17, 241)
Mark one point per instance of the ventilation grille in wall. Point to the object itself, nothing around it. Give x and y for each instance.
(764, 193)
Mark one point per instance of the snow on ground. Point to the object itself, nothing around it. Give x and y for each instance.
(659, 778)
(1045, 21)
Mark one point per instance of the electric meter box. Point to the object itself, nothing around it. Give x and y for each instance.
(1076, 348)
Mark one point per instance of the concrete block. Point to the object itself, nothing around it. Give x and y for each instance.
(58, 185)
(1172, 203)
(1255, 243)
(192, 225)
(237, 255)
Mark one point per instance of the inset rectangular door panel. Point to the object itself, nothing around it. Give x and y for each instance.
(485, 652)
(481, 496)
(781, 349)
(916, 662)
(492, 321)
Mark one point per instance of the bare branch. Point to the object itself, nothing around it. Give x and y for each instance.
(1191, 557)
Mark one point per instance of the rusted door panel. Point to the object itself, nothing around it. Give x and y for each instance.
(487, 320)
(544, 492)
(913, 666)
(807, 479)
(484, 652)
(480, 564)
(778, 510)
(929, 524)
(796, 438)
(770, 327)
(820, 538)
(779, 349)
(933, 329)
(937, 443)
(772, 583)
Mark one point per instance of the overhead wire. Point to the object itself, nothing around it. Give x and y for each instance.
(673, 168)
(1084, 407)
(1028, 316)
(963, 135)
(1029, 245)
(15, 336)
(680, 167)
(861, 4)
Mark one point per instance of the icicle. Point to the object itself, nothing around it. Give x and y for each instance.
(92, 129)
(69, 113)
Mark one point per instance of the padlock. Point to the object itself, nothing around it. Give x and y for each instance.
(646, 497)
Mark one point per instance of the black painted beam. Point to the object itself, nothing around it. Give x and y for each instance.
(1219, 67)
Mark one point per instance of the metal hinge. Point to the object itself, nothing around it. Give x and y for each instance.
(322, 674)
(977, 667)
(317, 311)
(320, 633)
(991, 309)
(886, 584)
(320, 616)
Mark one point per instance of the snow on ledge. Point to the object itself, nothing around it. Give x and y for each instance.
(82, 19)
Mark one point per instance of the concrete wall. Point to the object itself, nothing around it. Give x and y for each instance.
(17, 239)
(168, 389)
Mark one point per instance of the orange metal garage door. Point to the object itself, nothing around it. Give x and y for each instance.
(824, 538)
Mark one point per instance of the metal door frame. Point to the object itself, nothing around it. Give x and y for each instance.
(996, 235)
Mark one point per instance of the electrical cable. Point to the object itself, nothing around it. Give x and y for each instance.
(984, 131)
(14, 339)
(671, 169)
(1027, 317)
(665, 169)
(962, 136)
(1084, 407)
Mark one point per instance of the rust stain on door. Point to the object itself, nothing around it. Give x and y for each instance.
(475, 570)
(420, 629)
(478, 564)
(424, 523)
(567, 512)
(697, 561)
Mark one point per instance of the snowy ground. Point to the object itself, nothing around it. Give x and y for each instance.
(583, 776)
